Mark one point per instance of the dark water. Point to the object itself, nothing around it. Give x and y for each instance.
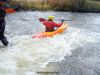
(82, 40)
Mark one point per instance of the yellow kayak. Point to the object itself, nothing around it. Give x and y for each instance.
(50, 34)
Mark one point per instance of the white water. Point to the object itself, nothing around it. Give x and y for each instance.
(25, 56)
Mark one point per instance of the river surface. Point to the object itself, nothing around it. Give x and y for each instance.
(74, 52)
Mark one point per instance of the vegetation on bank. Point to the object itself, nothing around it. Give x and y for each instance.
(58, 5)
(92, 6)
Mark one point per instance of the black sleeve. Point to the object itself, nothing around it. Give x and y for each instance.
(2, 14)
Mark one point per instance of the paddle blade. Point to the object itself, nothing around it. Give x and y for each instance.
(41, 19)
(10, 10)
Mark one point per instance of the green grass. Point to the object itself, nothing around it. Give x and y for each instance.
(52, 5)
(90, 5)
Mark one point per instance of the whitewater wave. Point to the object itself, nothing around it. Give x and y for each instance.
(25, 55)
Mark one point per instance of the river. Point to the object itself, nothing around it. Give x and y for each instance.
(74, 52)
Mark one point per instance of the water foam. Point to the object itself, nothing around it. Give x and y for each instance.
(27, 55)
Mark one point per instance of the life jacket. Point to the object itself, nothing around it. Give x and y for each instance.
(50, 25)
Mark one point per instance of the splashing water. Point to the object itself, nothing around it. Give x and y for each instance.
(27, 54)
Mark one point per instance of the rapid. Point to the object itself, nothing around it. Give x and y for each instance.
(74, 52)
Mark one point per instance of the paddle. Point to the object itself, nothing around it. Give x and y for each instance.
(62, 20)
(42, 19)
(10, 10)
(6, 7)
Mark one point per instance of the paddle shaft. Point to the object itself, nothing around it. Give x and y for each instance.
(62, 20)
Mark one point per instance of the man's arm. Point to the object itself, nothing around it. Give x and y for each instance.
(57, 24)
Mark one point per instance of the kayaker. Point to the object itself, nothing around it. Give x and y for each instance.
(2, 26)
(50, 24)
